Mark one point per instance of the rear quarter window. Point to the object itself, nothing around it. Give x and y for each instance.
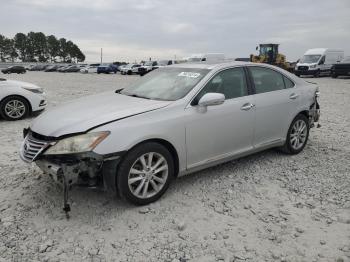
(266, 80)
(288, 83)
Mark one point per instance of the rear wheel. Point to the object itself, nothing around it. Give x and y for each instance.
(334, 75)
(297, 136)
(145, 173)
(14, 108)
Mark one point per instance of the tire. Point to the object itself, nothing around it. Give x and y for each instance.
(291, 145)
(298, 75)
(14, 101)
(129, 72)
(334, 75)
(154, 188)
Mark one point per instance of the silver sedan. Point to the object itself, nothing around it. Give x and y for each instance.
(174, 121)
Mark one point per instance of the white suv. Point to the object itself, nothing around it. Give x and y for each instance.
(130, 69)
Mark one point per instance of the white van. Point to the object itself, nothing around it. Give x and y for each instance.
(206, 57)
(318, 61)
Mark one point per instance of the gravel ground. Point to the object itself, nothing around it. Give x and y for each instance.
(266, 207)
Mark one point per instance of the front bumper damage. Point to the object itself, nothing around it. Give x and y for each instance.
(86, 169)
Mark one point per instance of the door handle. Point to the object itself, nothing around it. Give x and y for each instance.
(247, 106)
(293, 96)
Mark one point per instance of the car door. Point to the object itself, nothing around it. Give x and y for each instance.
(276, 102)
(217, 132)
(322, 66)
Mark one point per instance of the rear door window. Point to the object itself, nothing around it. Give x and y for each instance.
(287, 82)
(266, 80)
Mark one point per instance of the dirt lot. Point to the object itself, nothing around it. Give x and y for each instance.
(265, 207)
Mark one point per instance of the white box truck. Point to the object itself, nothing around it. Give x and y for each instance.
(209, 57)
(318, 61)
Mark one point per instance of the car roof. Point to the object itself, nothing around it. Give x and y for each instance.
(212, 65)
(225, 64)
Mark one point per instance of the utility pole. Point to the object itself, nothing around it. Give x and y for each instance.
(101, 55)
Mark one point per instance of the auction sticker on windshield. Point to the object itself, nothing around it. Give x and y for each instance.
(189, 74)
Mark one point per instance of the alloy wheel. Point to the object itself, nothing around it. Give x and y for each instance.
(148, 175)
(15, 109)
(298, 134)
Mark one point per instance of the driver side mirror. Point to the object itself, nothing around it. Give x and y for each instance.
(212, 99)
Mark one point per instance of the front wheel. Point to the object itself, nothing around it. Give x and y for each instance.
(145, 173)
(297, 136)
(334, 75)
(14, 108)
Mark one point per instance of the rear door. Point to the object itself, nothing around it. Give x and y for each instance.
(276, 102)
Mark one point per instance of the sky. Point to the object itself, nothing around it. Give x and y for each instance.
(134, 30)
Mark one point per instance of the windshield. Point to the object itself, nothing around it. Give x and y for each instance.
(149, 63)
(166, 83)
(310, 58)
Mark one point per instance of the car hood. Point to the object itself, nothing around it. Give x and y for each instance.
(88, 112)
(19, 83)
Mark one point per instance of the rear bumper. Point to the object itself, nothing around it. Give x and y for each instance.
(314, 113)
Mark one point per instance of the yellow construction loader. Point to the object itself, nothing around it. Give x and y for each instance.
(268, 53)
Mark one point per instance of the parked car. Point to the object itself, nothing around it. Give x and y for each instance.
(318, 61)
(171, 122)
(14, 69)
(28, 67)
(70, 69)
(341, 69)
(51, 68)
(19, 99)
(37, 68)
(147, 67)
(92, 68)
(107, 68)
(120, 68)
(130, 69)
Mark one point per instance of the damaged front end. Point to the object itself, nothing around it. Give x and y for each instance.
(86, 169)
(315, 111)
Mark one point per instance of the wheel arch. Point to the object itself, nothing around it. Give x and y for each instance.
(304, 112)
(20, 96)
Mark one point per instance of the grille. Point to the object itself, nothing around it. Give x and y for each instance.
(31, 148)
(303, 68)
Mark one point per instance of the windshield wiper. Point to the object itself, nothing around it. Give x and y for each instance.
(118, 90)
(135, 95)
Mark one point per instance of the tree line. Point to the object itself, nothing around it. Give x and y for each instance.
(37, 47)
